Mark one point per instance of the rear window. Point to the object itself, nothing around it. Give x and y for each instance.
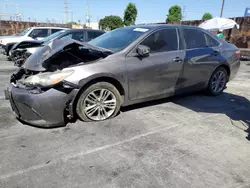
(194, 39)
(211, 42)
(198, 39)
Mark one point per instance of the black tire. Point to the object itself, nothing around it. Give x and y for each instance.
(210, 89)
(100, 85)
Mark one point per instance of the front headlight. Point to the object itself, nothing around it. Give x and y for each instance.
(48, 78)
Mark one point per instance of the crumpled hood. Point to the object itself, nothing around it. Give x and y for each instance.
(27, 44)
(37, 60)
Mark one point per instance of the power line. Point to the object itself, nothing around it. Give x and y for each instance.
(66, 11)
(222, 7)
(88, 16)
(183, 13)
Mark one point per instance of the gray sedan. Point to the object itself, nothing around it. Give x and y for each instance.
(69, 80)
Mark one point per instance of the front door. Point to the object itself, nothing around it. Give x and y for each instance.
(158, 73)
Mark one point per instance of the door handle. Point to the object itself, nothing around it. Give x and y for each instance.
(177, 59)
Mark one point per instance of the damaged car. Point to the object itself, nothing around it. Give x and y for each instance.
(32, 33)
(69, 80)
(21, 51)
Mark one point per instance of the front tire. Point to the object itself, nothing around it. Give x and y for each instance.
(98, 102)
(217, 82)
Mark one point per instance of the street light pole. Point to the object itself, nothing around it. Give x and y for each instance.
(222, 7)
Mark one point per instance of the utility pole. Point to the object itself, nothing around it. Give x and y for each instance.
(222, 7)
(88, 15)
(183, 13)
(15, 16)
(66, 11)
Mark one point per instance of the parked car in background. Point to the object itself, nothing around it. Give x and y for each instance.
(21, 51)
(32, 33)
(91, 81)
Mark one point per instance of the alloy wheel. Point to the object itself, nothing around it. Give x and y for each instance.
(219, 80)
(99, 104)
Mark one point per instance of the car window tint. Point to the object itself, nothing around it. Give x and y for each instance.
(69, 36)
(39, 33)
(161, 41)
(93, 34)
(55, 30)
(194, 39)
(79, 35)
(210, 41)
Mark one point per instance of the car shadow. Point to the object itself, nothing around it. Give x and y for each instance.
(235, 107)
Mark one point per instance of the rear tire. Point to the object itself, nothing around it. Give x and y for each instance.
(217, 82)
(98, 102)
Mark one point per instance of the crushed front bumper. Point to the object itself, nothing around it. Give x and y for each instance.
(45, 109)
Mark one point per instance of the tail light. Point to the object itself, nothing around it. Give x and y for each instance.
(237, 53)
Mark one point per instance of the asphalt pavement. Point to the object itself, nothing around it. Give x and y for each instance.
(180, 142)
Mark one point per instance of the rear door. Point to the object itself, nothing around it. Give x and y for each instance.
(157, 74)
(202, 55)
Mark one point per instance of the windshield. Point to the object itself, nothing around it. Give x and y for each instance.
(118, 39)
(24, 32)
(49, 38)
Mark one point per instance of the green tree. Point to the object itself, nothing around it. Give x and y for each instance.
(110, 22)
(130, 14)
(174, 14)
(207, 16)
(72, 23)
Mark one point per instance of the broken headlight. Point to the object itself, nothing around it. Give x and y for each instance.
(47, 78)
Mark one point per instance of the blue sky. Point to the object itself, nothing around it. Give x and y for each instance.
(149, 11)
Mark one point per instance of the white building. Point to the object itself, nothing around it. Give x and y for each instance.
(93, 25)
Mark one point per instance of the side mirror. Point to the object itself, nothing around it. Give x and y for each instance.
(143, 50)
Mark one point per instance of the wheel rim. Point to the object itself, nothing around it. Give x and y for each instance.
(218, 81)
(99, 104)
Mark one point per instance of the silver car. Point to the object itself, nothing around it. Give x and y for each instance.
(69, 80)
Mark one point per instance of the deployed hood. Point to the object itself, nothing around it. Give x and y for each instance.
(27, 44)
(39, 61)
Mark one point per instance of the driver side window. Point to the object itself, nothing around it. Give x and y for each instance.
(39, 33)
(162, 41)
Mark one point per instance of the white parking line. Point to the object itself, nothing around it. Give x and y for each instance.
(64, 159)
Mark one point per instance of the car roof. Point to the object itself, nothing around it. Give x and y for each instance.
(70, 30)
(86, 29)
(159, 26)
(49, 28)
